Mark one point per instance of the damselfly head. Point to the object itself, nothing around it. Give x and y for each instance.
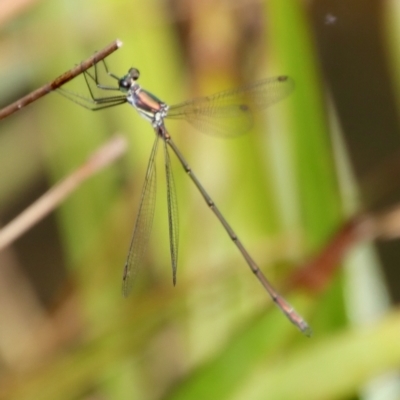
(134, 74)
(127, 81)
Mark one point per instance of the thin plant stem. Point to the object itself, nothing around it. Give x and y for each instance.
(61, 80)
(49, 201)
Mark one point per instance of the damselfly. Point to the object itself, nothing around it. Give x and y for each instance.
(227, 113)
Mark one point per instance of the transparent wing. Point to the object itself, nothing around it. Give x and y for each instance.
(143, 224)
(173, 223)
(230, 112)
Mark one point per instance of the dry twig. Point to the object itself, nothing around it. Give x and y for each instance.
(105, 155)
(61, 80)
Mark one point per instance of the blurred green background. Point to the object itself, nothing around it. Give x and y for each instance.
(66, 332)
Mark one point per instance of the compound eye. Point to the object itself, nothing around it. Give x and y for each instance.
(134, 73)
(124, 83)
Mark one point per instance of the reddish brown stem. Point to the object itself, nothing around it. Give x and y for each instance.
(61, 80)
